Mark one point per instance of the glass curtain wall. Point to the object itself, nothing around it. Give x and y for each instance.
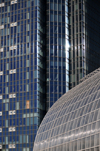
(57, 48)
(84, 18)
(22, 67)
(77, 40)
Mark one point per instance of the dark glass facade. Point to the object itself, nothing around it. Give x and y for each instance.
(39, 40)
(57, 50)
(22, 68)
(84, 31)
(33, 67)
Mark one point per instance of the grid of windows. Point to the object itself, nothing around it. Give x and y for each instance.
(22, 67)
(84, 18)
(32, 74)
(57, 50)
(73, 122)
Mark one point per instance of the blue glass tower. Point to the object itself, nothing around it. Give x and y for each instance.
(22, 72)
(33, 67)
(46, 46)
(57, 47)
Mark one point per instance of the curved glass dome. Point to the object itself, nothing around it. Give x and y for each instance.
(73, 122)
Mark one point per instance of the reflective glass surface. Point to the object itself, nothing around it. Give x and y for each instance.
(73, 122)
(83, 38)
(57, 50)
(22, 68)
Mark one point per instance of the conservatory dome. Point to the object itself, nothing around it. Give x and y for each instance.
(73, 122)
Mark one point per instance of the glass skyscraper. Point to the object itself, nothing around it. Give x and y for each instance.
(43, 44)
(84, 39)
(33, 66)
(57, 54)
